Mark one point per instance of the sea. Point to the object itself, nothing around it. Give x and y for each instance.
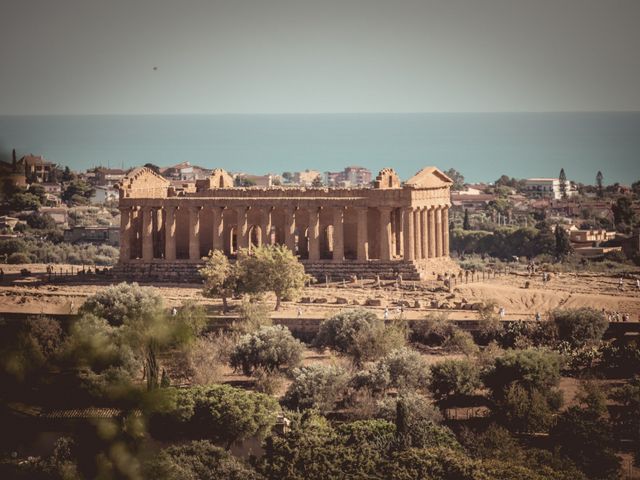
(482, 146)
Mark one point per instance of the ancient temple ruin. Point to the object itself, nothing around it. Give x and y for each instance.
(391, 228)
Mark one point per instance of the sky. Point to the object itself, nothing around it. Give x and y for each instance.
(320, 56)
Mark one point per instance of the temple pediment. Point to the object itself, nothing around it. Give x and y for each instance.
(429, 177)
(143, 182)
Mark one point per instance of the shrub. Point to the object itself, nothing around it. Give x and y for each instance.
(579, 327)
(360, 334)
(197, 460)
(40, 221)
(217, 412)
(18, 258)
(270, 347)
(205, 358)
(419, 407)
(453, 378)
(316, 386)
(407, 369)
(522, 384)
(12, 245)
(252, 316)
(120, 302)
(435, 330)
(461, 341)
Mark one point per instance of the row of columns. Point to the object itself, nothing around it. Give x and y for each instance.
(424, 231)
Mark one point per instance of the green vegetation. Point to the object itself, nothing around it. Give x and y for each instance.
(359, 334)
(271, 348)
(382, 412)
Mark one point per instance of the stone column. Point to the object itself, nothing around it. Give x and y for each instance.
(218, 229)
(424, 214)
(409, 235)
(338, 234)
(242, 233)
(445, 227)
(157, 233)
(147, 234)
(290, 228)
(314, 234)
(265, 226)
(432, 232)
(170, 234)
(362, 234)
(194, 233)
(417, 226)
(438, 231)
(125, 234)
(385, 233)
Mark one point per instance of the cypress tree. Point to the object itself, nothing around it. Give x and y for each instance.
(563, 183)
(563, 244)
(599, 178)
(465, 223)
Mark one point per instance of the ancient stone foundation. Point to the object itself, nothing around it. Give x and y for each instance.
(389, 229)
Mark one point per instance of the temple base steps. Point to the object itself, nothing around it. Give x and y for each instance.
(187, 272)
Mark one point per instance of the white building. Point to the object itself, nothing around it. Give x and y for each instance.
(547, 187)
(104, 194)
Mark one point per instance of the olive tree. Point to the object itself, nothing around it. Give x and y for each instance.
(270, 347)
(360, 334)
(580, 326)
(220, 277)
(316, 386)
(271, 268)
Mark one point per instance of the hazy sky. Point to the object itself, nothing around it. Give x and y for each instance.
(278, 56)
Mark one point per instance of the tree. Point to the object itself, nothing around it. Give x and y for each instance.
(465, 223)
(139, 323)
(627, 419)
(24, 201)
(458, 179)
(122, 302)
(563, 243)
(153, 167)
(317, 182)
(197, 460)
(220, 413)
(407, 369)
(563, 184)
(271, 268)
(28, 347)
(586, 438)
(581, 326)
(287, 177)
(360, 334)
(623, 213)
(599, 178)
(545, 239)
(220, 277)
(67, 175)
(78, 192)
(271, 348)
(316, 386)
(523, 388)
(41, 221)
(452, 379)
